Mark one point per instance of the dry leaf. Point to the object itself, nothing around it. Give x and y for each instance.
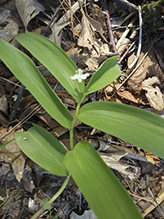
(113, 162)
(96, 26)
(148, 68)
(10, 28)
(3, 104)
(62, 22)
(153, 93)
(12, 154)
(152, 158)
(86, 38)
(128, 96)
(4, 15)
(88, 214)
(28, 9)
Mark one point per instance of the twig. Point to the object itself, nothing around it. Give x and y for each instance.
(23, 120)
(154, 204)
(52, 19)
(112, 41)
(124, 55)
(126, 32)
(110, 32)
(127, 183)
(137, 56)
(5, 79)
(149, 199)
(140, 39)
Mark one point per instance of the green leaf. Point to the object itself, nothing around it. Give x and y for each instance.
(54, 59)
(6, 143)
(131, 124)
(43, 148)
(106, 74)
(25, 70)
(105, 194)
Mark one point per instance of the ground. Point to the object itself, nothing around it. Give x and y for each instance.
(89, 32)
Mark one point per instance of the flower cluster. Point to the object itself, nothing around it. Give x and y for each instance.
(79, 76)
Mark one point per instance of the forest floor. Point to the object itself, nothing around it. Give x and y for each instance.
(89, 32)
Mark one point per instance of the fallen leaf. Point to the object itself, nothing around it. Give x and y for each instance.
(10, 27)
(64, 21)
(113, 161)
(148, 68)
(128, 96)
(87, 38)
(152, 158)
(28, 9)
(3, 104)
(153, 93)
(87, 215)
(12, 154)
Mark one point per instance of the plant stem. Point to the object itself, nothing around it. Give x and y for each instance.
(71, 133)
(73, 123)
(43, 208)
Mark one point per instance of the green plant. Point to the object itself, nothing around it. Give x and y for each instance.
(152, 14)
(103, 191)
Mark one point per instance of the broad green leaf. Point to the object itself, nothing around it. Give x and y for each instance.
(105, 194)
(54, 59)
(25, 70)
(106, 74)
(131, 124)
(43, 148)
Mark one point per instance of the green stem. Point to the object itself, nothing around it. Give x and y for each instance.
(71, 133)
(73, 123)
(43, 208)
(78, 105)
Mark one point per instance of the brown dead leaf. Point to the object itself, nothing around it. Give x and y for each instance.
(128, 96)
(148, 68)
(44, 116)
(112, 161)
(96, 25)
(64, 21)
(3, 110)
(28, 9)
(152, 158)
(3, 104)
(86, 38)
(10, 28)
(12, 154)
(153, 93)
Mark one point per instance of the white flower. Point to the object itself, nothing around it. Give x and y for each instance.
(79, 75)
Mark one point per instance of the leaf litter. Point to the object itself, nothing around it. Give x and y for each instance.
(81, 30)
